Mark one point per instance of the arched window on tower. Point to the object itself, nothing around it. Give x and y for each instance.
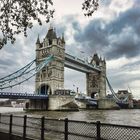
(50, 42)
(59, 42)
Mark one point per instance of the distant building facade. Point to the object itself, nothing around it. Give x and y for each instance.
(125, 95)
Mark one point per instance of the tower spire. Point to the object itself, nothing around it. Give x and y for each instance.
(38, 40)
(63, 39)
(51, 26)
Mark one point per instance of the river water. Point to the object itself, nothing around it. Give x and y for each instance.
(123, 116)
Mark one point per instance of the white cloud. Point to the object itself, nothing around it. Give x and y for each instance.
(117, 63)
(74, 79)
(120, 6)
(134, 87)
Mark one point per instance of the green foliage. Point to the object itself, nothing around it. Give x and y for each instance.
(90, 6)
(17, 16)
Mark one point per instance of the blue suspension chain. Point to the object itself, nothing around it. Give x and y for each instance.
(6, 83)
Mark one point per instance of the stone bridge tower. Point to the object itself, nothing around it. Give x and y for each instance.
(50, 77)
(96, 81)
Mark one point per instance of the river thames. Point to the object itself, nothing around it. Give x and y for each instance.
(124, 116)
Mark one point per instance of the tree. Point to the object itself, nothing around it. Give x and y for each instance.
(17, 16)
(90, 6)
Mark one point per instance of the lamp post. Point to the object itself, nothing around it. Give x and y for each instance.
(77, 89)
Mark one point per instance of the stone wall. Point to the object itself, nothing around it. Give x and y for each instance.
(92, 83)
(36, 104)
(62, 102)
(96, 81)
(81, 105)
(107, 104)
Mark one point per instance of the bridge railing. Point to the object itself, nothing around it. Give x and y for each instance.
(11, 95)
(81, 62)
(63, 129)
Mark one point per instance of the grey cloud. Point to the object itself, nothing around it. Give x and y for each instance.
(97, 35)
(120, 79)
(132, 65)
(76, 26)
(7, 63)
(128, 18)
(93, 37)
(125, 46)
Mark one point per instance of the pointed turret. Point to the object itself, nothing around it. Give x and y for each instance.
(104, 61)
(51, 34)
(38, 40)
(63, 39)
(95, 59)
(38, 44)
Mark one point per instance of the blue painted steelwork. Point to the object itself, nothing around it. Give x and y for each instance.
(117, 100)
(10, 95)
(17, 73)
(25, 74)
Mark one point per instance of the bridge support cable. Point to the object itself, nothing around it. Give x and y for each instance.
(17, 73)
(24, 76)
(114, 94)
(112, 91)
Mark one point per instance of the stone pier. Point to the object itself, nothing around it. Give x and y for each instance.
(54, 102)
(36, 104)
(107, 104)
(62, 102)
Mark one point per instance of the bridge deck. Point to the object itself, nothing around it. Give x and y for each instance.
(11, 95)
(79, 64)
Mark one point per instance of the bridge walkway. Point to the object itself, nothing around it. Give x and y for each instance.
(11, 95)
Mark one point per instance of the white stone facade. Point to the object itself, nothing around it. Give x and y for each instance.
(50, 77)
(96, 81)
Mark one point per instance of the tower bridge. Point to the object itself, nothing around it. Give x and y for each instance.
(49, 72)
(52, 77)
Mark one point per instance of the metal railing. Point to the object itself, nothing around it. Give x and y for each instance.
(64, 129)
(21, 95)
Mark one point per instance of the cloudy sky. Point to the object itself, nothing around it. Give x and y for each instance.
(113, 32)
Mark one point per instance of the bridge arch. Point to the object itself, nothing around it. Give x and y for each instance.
(45, 89)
